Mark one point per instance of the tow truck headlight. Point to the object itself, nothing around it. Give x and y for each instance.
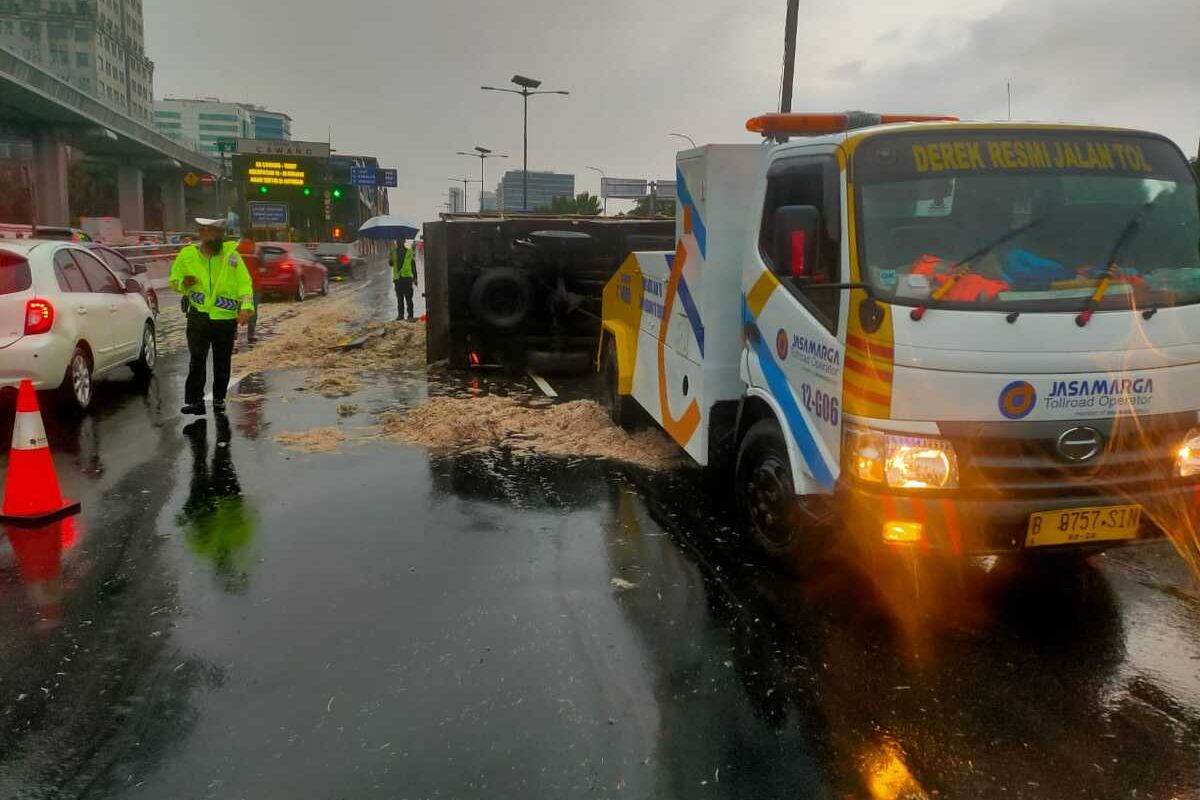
(1187, 456)
(906, 462)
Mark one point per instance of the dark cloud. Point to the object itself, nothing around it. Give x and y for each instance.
(400, 79)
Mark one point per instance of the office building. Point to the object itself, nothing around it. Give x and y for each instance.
(270, 124)
(199, 123)
(488, 202)
(97, 46)
(456, 203)
(543, 188)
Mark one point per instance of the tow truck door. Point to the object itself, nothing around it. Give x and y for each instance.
(792, 330)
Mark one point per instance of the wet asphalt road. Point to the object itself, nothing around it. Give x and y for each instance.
(229, 619)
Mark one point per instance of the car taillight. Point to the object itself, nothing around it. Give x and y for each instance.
(344, 259)
(39, 317)
(286, 267)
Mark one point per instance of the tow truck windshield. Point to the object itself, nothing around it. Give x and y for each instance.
(1027, 220)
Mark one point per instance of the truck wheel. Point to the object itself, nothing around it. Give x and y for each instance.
(768, 509)
(622, 408)
(501, 297)
(559, 363)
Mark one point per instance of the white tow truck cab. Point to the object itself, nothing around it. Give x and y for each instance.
(961, 337)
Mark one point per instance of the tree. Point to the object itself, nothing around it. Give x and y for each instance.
(662, 207)
(583, 204)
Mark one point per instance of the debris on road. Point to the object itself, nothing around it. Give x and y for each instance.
(315, 440)
(620, 584)
(578, 428)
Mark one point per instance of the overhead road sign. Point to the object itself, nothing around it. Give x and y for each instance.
(282, 148)
(664, 190)
(269, 215)
(370, 176)
(363, 176)
(622, 188)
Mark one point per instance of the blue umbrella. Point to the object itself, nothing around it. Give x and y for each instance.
(389, 227)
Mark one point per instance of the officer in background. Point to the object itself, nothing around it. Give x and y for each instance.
(219, 295)
(404, 278)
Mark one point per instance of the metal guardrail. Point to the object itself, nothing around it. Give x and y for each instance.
(147, 253)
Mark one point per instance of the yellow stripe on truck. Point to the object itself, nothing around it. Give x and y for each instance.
(760, 292)
(622, 318)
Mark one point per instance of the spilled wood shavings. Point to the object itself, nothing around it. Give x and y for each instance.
(315, 440)
(579, 428)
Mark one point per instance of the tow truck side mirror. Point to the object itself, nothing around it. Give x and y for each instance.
(795, 249)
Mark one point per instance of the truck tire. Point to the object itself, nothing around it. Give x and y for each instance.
(769, 512)
(559, 363)
(501, 297)
(622, 408)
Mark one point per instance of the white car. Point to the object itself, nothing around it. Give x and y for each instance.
(66, 319)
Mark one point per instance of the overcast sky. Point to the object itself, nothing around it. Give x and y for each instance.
(400, 80)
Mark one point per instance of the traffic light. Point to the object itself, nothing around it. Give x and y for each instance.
(337, 193)
(263, 190)
(307, 191)
(337, 232)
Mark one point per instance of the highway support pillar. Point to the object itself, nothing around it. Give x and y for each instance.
(49, 179)
(174, 210)
(131, 202)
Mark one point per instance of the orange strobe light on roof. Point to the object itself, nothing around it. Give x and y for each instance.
(31, 493)
(791, 124)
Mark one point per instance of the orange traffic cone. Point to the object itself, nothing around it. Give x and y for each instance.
(31, 493)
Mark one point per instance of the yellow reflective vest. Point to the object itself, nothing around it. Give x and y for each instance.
(402, 269)
(222, 286)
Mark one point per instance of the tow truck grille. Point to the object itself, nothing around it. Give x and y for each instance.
(1025, 457)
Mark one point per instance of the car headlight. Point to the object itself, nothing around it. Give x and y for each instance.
(907, 462)
(1187, 456)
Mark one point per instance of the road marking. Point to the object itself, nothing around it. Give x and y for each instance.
(542, 384)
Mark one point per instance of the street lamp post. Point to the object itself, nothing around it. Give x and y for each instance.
(604, 197)
(691, 141)
(464, 182)
(527, 86)
(483, 154)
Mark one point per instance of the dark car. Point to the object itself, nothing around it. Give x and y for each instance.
(126, 271)
(341, 260)
(291, 270)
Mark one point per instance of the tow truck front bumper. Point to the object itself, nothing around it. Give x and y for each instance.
(964, 524)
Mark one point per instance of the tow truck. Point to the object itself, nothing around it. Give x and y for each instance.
(952, 337)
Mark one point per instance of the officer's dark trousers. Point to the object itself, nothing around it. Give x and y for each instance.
(404, 297)
(203, 333)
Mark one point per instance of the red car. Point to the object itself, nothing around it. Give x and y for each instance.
(288, 269)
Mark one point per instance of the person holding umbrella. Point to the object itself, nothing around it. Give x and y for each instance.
(404, 279)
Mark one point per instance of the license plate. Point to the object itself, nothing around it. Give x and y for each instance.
(1081, 525)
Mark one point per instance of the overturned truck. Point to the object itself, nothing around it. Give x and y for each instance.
(525, 292)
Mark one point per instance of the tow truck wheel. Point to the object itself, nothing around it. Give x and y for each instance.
(768, 508)
(621, 408)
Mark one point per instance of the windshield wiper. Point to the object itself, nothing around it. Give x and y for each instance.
(962, 267)
(1112, 270)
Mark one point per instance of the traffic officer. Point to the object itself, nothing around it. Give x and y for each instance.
(404, 278)
(218, 294)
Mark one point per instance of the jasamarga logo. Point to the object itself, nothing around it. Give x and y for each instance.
(817, 355)
(1107, 393)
